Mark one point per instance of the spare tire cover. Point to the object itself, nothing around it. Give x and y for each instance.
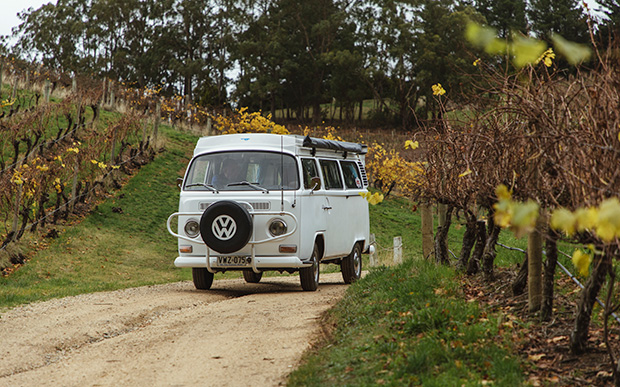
(226, 226)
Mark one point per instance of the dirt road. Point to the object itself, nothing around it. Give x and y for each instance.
(236, 334)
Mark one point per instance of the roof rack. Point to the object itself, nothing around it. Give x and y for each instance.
(314, 143)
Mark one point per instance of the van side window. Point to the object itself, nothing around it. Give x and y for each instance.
(331, 174)
(309, 171)
(351, 174)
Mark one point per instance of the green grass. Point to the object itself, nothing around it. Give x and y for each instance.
(410, 324)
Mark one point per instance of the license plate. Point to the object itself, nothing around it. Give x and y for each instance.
(234, 261)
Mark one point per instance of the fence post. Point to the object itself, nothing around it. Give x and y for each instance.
(112, 98)
(103, 92)
(18, 199)
(47, 90)
(1, 74)
(74, 186)
(427, 230)
(373, 254)
(15, 86)
(209, 126)
(398, 250)
(534, 263)
(157, 120)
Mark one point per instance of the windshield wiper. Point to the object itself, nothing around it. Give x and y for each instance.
(256, 187)
(207, 186)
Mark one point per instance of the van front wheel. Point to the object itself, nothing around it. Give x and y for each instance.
(251, 277)
(203, 279)
(351, 265)
(309, 276)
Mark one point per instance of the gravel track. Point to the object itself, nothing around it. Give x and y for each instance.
(236, 334)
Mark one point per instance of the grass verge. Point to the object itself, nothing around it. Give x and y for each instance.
(410, 325)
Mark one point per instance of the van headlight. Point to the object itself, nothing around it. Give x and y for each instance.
(192, 228)
(277, 227)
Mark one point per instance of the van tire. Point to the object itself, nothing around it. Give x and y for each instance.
(351, 265)
(227, 210)
(309, 276)
(203, 279)
(251, 277)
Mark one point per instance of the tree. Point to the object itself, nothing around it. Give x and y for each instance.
(504, 15)
(286, 53)
(563, 17)
(53, 34)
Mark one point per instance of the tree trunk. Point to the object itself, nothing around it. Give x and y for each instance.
(488, 256)
(473, 266)
(519, 283)
(579, 335)
(361, 114)
(427, 230)
(534, 270)
(441, 239)
(551, 246)
(469, 240)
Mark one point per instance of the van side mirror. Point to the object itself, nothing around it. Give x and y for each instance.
(179, 182)
(316, 183)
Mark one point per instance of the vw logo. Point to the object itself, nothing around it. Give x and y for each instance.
(224, 227)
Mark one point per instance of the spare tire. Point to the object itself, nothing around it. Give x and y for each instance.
(226, 226)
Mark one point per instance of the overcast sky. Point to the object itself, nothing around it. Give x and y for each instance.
(10, 8)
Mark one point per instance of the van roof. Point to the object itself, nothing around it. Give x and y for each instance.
(274, 142)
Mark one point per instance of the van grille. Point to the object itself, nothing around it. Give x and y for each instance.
(363, 172)
(256, 206)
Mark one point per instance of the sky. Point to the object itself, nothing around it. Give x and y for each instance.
(10, 8)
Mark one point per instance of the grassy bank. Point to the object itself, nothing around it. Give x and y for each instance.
(410, 325)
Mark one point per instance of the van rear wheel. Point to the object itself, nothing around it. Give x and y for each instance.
(203, 279)
(251, 277)
(351, 265)
(309, 276)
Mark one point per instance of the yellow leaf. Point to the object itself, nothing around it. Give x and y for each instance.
(582, 261)
(526, 50)
(502, 192)
(467, 172)
(536, 357)
(574, 53)
(586, 218)
(563, 220)
(504, 210)
(411, 144)
(524, 217)
(438, 89)
(608, 225)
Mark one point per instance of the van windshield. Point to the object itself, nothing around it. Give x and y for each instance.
(231, 171)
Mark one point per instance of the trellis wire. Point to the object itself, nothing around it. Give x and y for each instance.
(565, 270)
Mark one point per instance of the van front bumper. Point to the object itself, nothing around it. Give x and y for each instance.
(259, 262)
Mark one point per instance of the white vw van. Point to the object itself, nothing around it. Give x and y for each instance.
(258, 202)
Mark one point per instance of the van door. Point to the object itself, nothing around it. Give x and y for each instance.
(338, 235)
(313, 218)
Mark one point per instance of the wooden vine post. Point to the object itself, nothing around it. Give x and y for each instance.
(18, 200)
(76, 169)
(156, 120)
(534, 262)
(1, 74)
(426, 211)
